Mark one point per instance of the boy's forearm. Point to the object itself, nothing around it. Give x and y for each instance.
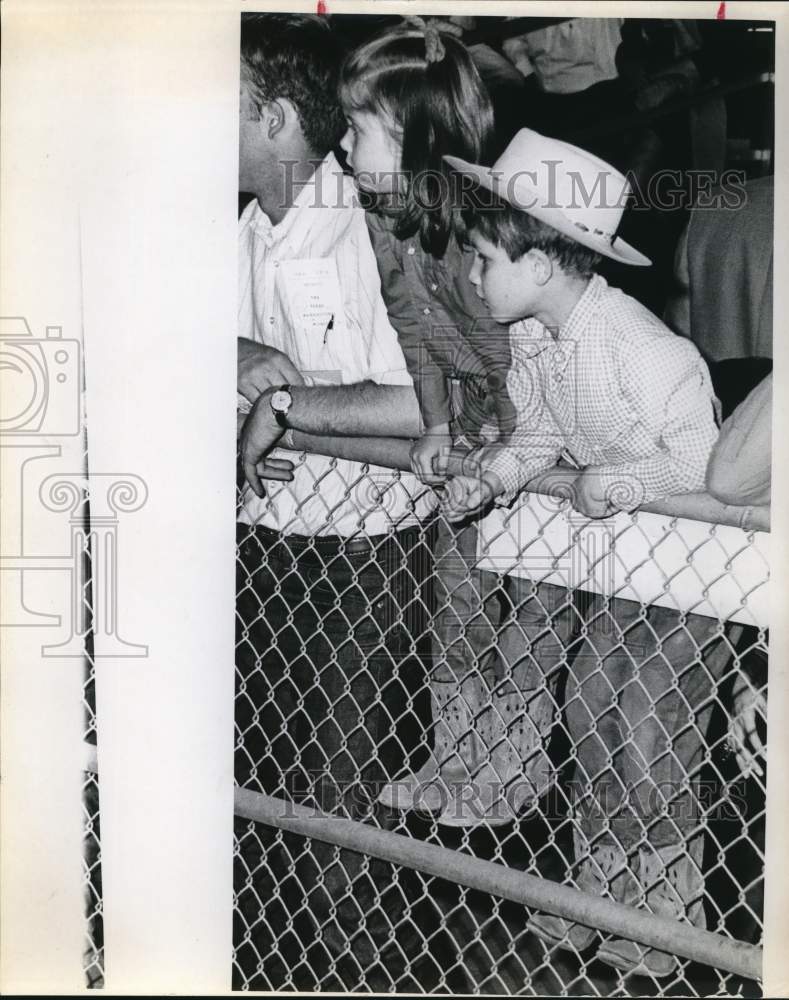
(364, 409)
(636, 483)
(391, 453)
(516, 464)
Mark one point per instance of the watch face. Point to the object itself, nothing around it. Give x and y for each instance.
(280, 400)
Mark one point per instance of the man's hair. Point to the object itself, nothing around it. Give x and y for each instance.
(518, 232)
(438, 107)
(297, 58)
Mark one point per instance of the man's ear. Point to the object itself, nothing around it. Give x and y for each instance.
(541, 266)
(274, 118)
(280, 116)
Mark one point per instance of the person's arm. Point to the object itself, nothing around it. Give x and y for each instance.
(668, 387)
(363, 409)
(739, 470)
(536, 443)
(388, 452)
(413, 328)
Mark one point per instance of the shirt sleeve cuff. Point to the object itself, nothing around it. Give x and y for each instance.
(512, 472)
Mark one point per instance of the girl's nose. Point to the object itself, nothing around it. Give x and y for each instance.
(346, 142)
(475, 274)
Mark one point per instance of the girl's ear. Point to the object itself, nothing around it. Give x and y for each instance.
(541, 265)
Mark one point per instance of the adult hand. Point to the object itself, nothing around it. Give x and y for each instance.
(258, 436)
(743, 738)
(275, 468)
(261, 368)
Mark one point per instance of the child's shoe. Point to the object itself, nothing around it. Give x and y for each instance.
(673, 887)
(431, 787)
(603, 872)
(515, 770)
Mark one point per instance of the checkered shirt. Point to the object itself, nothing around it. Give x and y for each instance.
(614, 389)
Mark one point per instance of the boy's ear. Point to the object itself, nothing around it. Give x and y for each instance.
(541, 266)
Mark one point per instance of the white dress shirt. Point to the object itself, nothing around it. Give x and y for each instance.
(309, 287)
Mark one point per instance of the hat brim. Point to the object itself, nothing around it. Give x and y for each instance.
(616, 249)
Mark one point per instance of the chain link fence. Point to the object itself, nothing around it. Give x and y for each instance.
(521, 757)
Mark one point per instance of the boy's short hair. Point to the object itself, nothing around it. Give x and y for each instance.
(518, 232)
(296, 57)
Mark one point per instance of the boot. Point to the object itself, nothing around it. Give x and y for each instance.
(515, 769)
(603, 871)
(671, 886)
(428, 788)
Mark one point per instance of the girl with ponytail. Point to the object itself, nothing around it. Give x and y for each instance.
(411, 96)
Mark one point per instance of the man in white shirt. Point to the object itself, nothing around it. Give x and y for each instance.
(330, 561)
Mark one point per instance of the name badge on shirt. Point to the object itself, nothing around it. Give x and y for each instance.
(312, 296)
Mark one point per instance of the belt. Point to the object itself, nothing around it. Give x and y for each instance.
(333, 543)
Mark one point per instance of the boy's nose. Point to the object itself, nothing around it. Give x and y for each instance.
(346, 143)
(475, 274)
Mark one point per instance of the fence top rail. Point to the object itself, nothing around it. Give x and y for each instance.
(558, 482)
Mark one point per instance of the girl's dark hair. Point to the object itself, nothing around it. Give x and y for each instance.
(518, 232)
(437, 108)
(296, 57)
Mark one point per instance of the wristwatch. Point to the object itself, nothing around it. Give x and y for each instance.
(281, 402)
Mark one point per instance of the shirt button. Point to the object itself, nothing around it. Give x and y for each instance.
(426, 311)
(411, 251)
(434, 288)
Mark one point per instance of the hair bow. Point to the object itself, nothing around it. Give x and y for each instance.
(434, 47)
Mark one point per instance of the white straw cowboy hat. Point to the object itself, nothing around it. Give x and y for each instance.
(579, 194)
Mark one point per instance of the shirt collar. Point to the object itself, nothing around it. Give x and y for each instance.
(324, 180)
(582, 310)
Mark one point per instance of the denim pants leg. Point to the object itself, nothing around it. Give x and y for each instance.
(534, 645)
(325, 669)
(639, 699)
(466, 612)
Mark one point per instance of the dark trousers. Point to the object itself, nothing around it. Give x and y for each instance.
(641, 686)
(327, 662)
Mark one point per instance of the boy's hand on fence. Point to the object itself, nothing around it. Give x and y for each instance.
(592, 493)
(429, 454)
(258, 436)
(261, 368)
(466, 495)
(744, 738)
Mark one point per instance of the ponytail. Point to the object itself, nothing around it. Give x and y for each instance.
(426, 83)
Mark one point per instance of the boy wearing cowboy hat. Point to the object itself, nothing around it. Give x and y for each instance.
(597, 379)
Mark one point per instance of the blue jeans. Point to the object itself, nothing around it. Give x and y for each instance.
(326, 662)
(513, 632)
(640, 695)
